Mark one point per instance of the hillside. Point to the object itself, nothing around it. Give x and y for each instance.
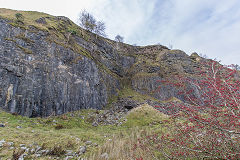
(50, 66)
(67, 93)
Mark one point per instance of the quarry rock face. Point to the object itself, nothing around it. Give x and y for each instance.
(41, 75)
(45, 82)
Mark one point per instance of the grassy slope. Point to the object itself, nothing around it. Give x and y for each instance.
(29, 17)
(76, 131)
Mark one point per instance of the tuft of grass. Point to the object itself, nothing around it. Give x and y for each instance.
(145, 115)
(121, 146)
(77, 48)
(144, 74)
(59, 126)
(57, 150)
(25, 50)
(126, 92)
(16, 154)
(22, 36)
(172, 99)
(29, 18)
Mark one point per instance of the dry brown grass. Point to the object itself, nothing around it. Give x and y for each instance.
(77, 132)
(16, 154)
(121, 148)
(29, 16)
(146, 109)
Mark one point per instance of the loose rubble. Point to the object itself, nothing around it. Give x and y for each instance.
(35, 151)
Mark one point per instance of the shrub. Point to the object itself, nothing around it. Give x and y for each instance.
(57, 151)
(64, 117)
(16, 154)
(59, 126)
(72, 31)
(210, 127)
(88, 21)
(119, 38)
(19, 17)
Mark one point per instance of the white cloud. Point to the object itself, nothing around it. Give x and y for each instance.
(210, 27)
(124, 17)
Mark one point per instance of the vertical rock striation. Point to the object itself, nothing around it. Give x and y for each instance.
(46, 69)
(41, 78)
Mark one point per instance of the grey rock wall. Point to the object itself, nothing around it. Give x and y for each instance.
(39, 78)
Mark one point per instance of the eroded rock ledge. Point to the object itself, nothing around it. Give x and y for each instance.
(45, 70)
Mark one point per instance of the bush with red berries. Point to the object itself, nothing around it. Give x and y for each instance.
(208, 128)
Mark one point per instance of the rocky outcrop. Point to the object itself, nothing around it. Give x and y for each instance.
(51, 66)
(163, 64)
(45, 80)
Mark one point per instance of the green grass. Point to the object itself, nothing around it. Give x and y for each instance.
(75, 130)
(144, 74)
(29, 17)
(144, 115)
(58, 29)
(25, 50)
(22, 36)
(127, 92)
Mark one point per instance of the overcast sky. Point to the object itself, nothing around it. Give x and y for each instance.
(210, 27)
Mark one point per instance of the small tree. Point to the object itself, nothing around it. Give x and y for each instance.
(203, 55)
(88, 22)
(236, 67)
(100, 28)
(19, 17)
(69, 33)
(119, 38)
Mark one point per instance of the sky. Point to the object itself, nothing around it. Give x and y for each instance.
(208, 27)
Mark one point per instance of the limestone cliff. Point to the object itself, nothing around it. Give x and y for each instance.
(49, 65)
